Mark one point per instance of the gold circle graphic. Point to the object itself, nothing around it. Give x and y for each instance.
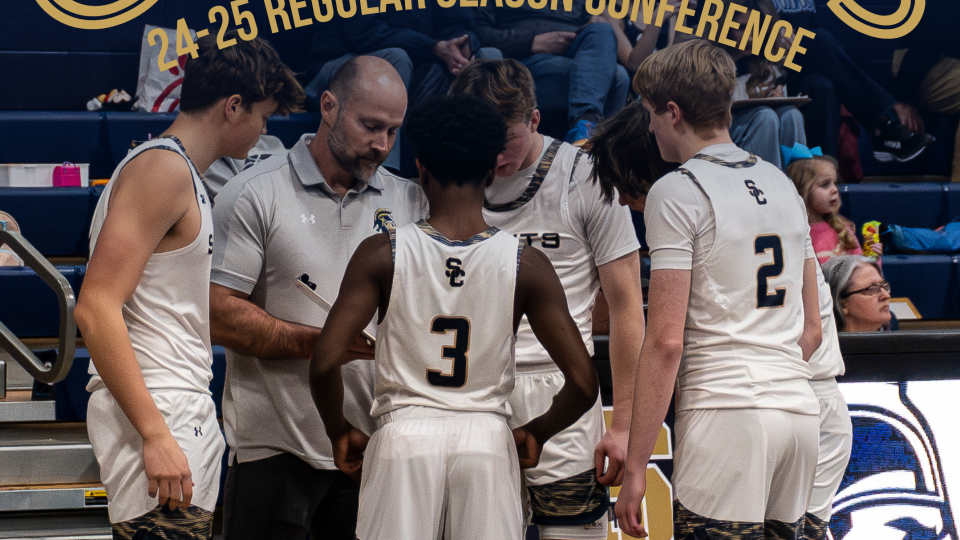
(850, 12)
(97, 17)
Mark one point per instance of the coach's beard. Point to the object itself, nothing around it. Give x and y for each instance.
(353, 163)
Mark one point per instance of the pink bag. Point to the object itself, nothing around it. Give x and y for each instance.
(66, 175)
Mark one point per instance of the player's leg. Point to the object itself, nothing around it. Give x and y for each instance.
(566, 500)
(483, 479)
(404, 470)
(836, 440)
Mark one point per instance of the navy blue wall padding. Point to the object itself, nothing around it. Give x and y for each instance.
(290, 129)
(931, 282)
(910, 205)
(56, 221)
(71, 393)
(50, 137)
(29, 307)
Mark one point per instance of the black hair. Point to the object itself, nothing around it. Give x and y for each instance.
(457, 138)
(625, 154)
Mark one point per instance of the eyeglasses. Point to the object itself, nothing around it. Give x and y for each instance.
(872, 290)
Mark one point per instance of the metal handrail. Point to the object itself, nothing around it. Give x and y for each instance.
(43, 371)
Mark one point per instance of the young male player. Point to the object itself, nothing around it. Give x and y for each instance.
(451, 292)
(143, 309)
(733, 317)
(543, 195)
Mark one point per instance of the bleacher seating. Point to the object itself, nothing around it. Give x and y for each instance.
(932, 282)
(29, 307)
(55, 221)
(909, 205)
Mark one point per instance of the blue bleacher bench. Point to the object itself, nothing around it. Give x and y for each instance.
(931, 282)
(56, 221)
(910, 205)
(28, 307)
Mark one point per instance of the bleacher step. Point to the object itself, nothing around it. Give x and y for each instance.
(17, 407)
(41, 454)
(76, 525)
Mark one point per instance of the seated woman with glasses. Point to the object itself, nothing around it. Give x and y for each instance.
(861, 297)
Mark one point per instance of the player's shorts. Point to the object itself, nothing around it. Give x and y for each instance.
(192, 419)
(431, 473)
(836, 441)
(743, 470)
(566, 500)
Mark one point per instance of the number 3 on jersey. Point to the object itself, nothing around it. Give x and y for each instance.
(761, 245)
(460, 326)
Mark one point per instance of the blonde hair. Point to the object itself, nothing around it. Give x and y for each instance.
(803, 172)
(696, 75)
(505, 84)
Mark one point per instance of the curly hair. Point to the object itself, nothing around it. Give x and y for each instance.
(251, 69)
(625, 154)
(803, 172)
(457, 138)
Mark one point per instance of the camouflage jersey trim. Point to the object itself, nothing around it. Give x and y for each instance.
(161, 523)
(439, 237)
(535, 181)
(392, 234)
(745, 164)
(519, 252)
(577, 500)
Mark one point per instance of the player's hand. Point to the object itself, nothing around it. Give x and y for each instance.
(450, 52)
(168, 472)
(348, 451)
(613, 447)
(361, 349)
(528, 448)
(552, 42)
(628, 502)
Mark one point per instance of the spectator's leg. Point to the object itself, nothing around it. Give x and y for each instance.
(594, 54)
(858, 92)
(940, 92)
(437, 79)
(821, 117)
(551, 76)
(757, 130)
(619, 90)
(791, 126)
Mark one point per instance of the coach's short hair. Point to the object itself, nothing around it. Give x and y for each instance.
(251, 69)
(457, 138)
(505, 84)
(696, 75)
(625, 154)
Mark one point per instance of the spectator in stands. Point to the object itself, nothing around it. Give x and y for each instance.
(636, 40)
(861, 297)
(815, 177)
(927, 65)
(276, 221)
(428, 47)
(572, 58)
(760, 129)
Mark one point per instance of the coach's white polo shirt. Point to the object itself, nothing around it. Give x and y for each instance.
(274, 222)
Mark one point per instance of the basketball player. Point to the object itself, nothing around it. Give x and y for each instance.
(543, 195)
(143, 308)
(451, 292)
(733, 318)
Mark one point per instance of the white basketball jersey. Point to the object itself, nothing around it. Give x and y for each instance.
(745, 313)
(545, 216)
(168, 315)
(826, 362)
(447, 338)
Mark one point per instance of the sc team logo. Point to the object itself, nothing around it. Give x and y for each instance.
(383, 220)
(893, 26)
(78, 15)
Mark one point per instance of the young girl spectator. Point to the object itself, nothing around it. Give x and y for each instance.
(832, 234)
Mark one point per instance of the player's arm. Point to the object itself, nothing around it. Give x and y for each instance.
(361, 292)
(620, 281)
(541, 297)
(812, 331)
(150, 196)
(656, 375)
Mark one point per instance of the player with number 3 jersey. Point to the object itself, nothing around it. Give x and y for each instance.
(451, 292)
(733, 317)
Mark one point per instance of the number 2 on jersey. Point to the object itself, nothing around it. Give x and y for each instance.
(460, 326)
(770, 270)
